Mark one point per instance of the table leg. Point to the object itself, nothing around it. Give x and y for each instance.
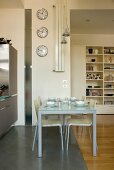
(62, 118)
(94, 134)
(39, 134)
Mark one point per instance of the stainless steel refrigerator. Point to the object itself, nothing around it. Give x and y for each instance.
(8, 70)
(8, 86)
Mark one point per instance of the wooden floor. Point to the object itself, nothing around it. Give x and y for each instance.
(105, 140)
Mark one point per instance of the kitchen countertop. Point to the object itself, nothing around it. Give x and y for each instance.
(4, 97)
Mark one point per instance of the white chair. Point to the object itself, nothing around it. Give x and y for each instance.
(46, 123)
(83, 121)
(67, 117)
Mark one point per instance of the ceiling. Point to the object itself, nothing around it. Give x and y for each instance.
(11, 3)
(82, 21)
(92, 21)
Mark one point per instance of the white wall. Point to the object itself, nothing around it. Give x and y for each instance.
(12, 27)
(78, 69)
(47, 83)
(93, 39)
(91, 4)
(11, 4)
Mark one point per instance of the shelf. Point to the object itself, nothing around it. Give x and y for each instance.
(108, 54)
(94, 88)
(108, 81)
(94, 79)
(108, 96)
(94, 96)
(88, 71)
(94, 62)
(109, 105)
(108, 63)
(93, 54)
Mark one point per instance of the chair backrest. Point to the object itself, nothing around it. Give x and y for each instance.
(83, 98)
(92, 103)
(37, 103)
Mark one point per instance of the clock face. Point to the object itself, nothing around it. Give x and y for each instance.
(42, 50)
(42, 32)
(42, 14)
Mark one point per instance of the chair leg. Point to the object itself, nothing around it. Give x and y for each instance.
(68, 129)
(64, 128)
(61, 132)
(63, 122)
(35, 136)
(90, 133)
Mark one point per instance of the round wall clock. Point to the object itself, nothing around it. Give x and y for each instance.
(42, 32)
(42, 14)
(42, 50)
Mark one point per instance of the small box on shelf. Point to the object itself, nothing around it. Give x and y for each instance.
(94, 92)
(93, 76)
(109, 77)
(108, 102)
(108, 50)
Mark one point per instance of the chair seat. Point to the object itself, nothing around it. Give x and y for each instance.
(51, 122)
(86, 120)
(80, 122)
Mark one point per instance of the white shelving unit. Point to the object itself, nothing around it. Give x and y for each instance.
(100, 74)
(94, 74)
(108, 75)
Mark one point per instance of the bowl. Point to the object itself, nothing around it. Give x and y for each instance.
(73, 99)
(50, 103)
(80, 102)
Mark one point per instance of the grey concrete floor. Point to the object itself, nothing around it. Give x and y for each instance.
(16, 151)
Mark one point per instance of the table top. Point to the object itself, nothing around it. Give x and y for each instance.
(66, 108)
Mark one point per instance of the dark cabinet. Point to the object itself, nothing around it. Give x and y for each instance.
(8, 113)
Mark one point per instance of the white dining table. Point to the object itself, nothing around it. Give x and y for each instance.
(64, 109)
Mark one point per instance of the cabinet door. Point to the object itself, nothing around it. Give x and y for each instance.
(78, 70)
(4, 125)
(13, 70)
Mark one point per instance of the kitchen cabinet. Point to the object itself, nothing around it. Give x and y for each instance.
(8, 113)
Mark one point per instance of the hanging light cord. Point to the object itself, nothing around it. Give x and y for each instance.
(66, 32)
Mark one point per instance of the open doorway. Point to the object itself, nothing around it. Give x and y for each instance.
(88, 27)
